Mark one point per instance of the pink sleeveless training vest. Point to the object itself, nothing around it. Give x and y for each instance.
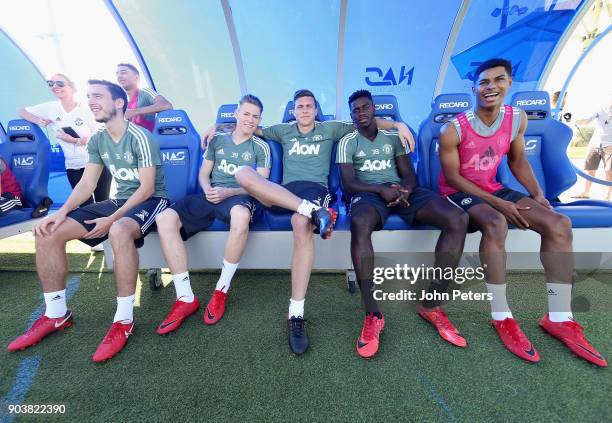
(479, 156)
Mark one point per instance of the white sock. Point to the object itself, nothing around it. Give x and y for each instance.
(125, 309)
(55, 303)
(306, 208)
(227, 273)
(296, 308)
(559, 301)
(500, 309)
(182, 286)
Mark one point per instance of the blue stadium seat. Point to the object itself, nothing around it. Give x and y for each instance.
(288, 116)
(443, 108)
(386, 107)
(179, 144)
(26, 151)
(546, 141)
(225, 117)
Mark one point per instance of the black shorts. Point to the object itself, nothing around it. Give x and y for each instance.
(197, 213)
(465, 201)
(9, 202)
(307, 190)
(143, 214)
(417, 200)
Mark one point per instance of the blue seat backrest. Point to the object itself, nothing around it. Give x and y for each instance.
(289, 116)
(179, 144)
(546, 141)
(225, 114)
(443, 108)
(26, 151)
(386, 107)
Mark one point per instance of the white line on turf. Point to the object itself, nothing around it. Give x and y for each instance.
(423, 379)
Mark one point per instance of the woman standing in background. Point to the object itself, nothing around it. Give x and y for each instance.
(73, 124)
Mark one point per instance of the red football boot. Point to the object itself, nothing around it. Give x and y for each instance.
(215, 308)
(515, 340)
(367, 344)
(114, 341)
(571, 334)
(438, 318)
(180, 311)
(41, 328)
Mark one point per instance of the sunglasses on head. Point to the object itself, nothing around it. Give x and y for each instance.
(60, 84)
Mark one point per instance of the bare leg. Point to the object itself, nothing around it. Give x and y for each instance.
(556, 246)
(266, 192)
(121, 236)
(588, 183)
(303, 256)
(51, 258)
(453, 223)
(363, 222)
(238, 234)
(494, 228)
(173, 247)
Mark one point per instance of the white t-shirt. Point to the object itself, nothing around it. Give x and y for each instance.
(602, 136)
(80, 119)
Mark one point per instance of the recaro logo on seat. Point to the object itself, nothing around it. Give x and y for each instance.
(539, 102)
(19, 128)
(227, 115)
(170, 119)
(388, 106)
(454, 104)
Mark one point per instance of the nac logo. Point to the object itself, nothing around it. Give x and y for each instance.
(174, 157)
(378, 78)
(228, 168)
(375, 165)
(305, 149)
(23, 161)
(19, 128)
(533, 102)
(170, 119)
(388, 106)
(454, 104)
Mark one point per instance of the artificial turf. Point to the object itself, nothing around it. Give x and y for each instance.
(242, 369)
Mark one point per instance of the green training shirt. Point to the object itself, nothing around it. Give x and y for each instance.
(306, 157)
(229, 157)
(136, 149)
(374, 161)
